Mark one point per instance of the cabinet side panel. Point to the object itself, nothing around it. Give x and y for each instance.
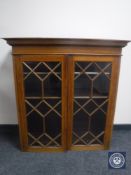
(112, 101)
(20, 103)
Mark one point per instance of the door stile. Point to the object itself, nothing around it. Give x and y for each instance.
(70, 77)
(64, 103)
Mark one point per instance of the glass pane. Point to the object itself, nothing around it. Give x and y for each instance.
(53, 124)
(32, 86)
(101, 86)
(35, 124)
(82, 86)
(52, 86)
(81, 120)
(91, 93)
(42, 85)
(27, 67)
(98, 120)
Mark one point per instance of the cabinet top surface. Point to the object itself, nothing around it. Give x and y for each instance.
(65, 41)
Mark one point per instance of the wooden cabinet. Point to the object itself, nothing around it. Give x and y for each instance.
(66, 92)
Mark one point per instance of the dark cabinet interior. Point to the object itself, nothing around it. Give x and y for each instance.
(91, 95)
(42, 89)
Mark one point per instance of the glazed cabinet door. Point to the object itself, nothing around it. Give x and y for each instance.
(41, 92)
(92, 101)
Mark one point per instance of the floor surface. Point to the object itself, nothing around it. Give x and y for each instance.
(15, 162)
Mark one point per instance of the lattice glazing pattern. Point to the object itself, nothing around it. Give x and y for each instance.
(42, 85)
(91, 95)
